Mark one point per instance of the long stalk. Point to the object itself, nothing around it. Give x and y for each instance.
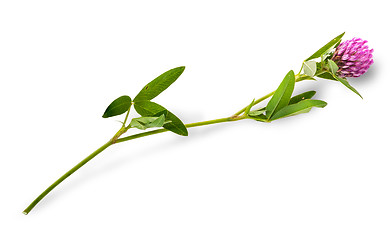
(190, 125)
(66, 175)
(118, 140)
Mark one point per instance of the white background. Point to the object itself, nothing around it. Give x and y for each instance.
(322, 175)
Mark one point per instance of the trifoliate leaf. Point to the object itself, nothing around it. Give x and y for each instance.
(150, 109)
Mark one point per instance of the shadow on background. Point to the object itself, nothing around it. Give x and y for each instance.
(80, 178)
(84, 175)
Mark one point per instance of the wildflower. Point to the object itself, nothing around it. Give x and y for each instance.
(353, 57)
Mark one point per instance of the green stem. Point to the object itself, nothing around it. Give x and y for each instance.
(127, 115)
(116, 139)
(190, 125)
(256, 102)
(67, 174)
(300, 70)
(297, 79)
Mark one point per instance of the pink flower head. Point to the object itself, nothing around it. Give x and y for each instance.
(353, 58)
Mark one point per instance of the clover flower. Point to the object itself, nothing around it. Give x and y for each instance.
(353, 57)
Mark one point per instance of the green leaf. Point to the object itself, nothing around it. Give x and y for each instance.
(302, 96)
(147, 122)
(256, 112)
(117, 107)
(248, 108)
(303, 106)
(327, 75)
(258, 115)
(327, 46)
(304, 77)
(158, 85)
(329, 53)
(346, 83)
(260, 118)
(163, 112)
(310, 68)
(150, 109)
(332, 66)
(282, 95)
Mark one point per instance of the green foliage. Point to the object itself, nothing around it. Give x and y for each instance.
(150, 109)
(260, 118)
(159, 84)
(303, 106)
(282, 95)
(310, 68)
(346, 83)
(327, 75)
(304, 77)
(257, 112)
(248, 108)
(330, 45)
(258, 115)
(302, 96)
(118, 107)
(147, 122)
(332, 66)
(330, 73)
